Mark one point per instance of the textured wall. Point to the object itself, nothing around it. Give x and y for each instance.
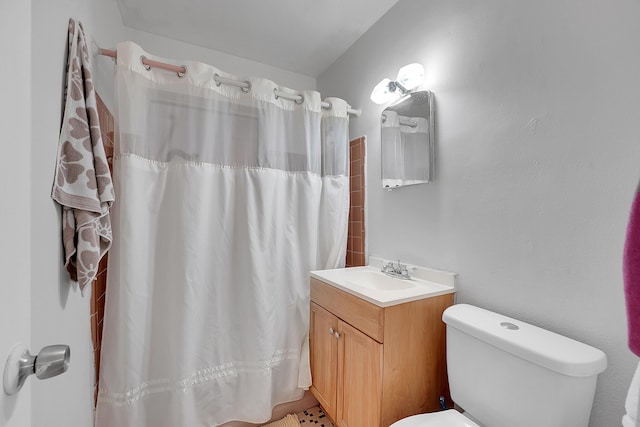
(537, 105)
(15, 184)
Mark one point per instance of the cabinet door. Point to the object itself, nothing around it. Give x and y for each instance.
(359, 396)
(323, 349)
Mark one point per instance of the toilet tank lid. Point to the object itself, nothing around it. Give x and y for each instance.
(540, 346)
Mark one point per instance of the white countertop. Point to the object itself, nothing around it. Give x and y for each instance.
(370, 284)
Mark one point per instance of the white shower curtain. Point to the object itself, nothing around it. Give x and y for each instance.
(225, 200)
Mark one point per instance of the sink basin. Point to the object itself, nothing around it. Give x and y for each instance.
(376, 280)
(371, 284)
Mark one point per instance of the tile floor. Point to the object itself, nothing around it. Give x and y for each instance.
(314, 417)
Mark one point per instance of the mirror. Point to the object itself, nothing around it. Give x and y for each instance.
(407, 141)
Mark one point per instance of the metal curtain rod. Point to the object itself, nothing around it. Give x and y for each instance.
(245, 85)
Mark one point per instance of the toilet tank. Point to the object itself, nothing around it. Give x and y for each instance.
(505, 373)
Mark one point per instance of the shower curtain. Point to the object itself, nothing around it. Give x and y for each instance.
(226, 198)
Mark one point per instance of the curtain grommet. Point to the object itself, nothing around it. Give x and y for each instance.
(215, 79)
(300, 99)
(146, 67)
(247, 88)
(275, 93)
(330, 107)
(182, 74)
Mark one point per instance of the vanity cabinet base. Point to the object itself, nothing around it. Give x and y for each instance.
(372, 366)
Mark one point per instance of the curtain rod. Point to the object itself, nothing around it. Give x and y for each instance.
(245, 85)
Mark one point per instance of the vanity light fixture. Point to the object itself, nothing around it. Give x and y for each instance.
(409, 77)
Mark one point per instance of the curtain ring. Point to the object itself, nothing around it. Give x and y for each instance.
(300, 99)
(215, 79)
(180, 74)
(146, 67)
(246, 89)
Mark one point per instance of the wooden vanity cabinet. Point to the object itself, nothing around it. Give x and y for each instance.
(323, 349)
(371, 365)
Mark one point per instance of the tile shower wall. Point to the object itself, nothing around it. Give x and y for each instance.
(99, 285)
(356, 240)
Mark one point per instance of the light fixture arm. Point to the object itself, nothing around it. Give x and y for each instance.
(393, 85)
(411, 76)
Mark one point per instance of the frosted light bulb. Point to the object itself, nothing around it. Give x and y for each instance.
(382, 93)
(411, 76)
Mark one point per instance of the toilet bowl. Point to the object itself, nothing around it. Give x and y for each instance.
(502, 371)
(448, 418)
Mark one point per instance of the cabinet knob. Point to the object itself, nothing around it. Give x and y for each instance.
(337, 335)
(331, 331)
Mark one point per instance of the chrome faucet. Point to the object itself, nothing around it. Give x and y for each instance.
(398, 270)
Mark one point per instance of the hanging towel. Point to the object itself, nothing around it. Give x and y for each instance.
(82, 183)
(631, 274)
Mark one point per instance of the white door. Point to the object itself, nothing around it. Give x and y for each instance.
(15, 197)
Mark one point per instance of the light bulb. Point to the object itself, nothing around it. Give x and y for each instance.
(411, 76)
(382, 93)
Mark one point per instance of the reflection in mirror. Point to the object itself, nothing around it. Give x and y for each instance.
(407, 141)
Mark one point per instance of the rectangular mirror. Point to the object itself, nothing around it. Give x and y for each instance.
(407, 141)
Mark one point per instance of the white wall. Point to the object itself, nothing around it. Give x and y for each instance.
(60, 315)
(241, 67)
(538, 158)
(15, 116)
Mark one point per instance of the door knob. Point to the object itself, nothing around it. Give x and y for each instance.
(52, 360)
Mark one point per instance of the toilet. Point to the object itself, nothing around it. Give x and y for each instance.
(507, 373)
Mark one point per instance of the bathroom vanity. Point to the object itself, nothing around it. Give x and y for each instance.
(377, 345)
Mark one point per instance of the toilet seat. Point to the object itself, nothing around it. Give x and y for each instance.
(448, 418)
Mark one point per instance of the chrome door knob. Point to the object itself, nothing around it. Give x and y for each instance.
(51, 361)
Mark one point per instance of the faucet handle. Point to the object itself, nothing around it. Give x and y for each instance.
(404, 269)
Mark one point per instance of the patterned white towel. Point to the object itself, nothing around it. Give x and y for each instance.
(82, 183)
